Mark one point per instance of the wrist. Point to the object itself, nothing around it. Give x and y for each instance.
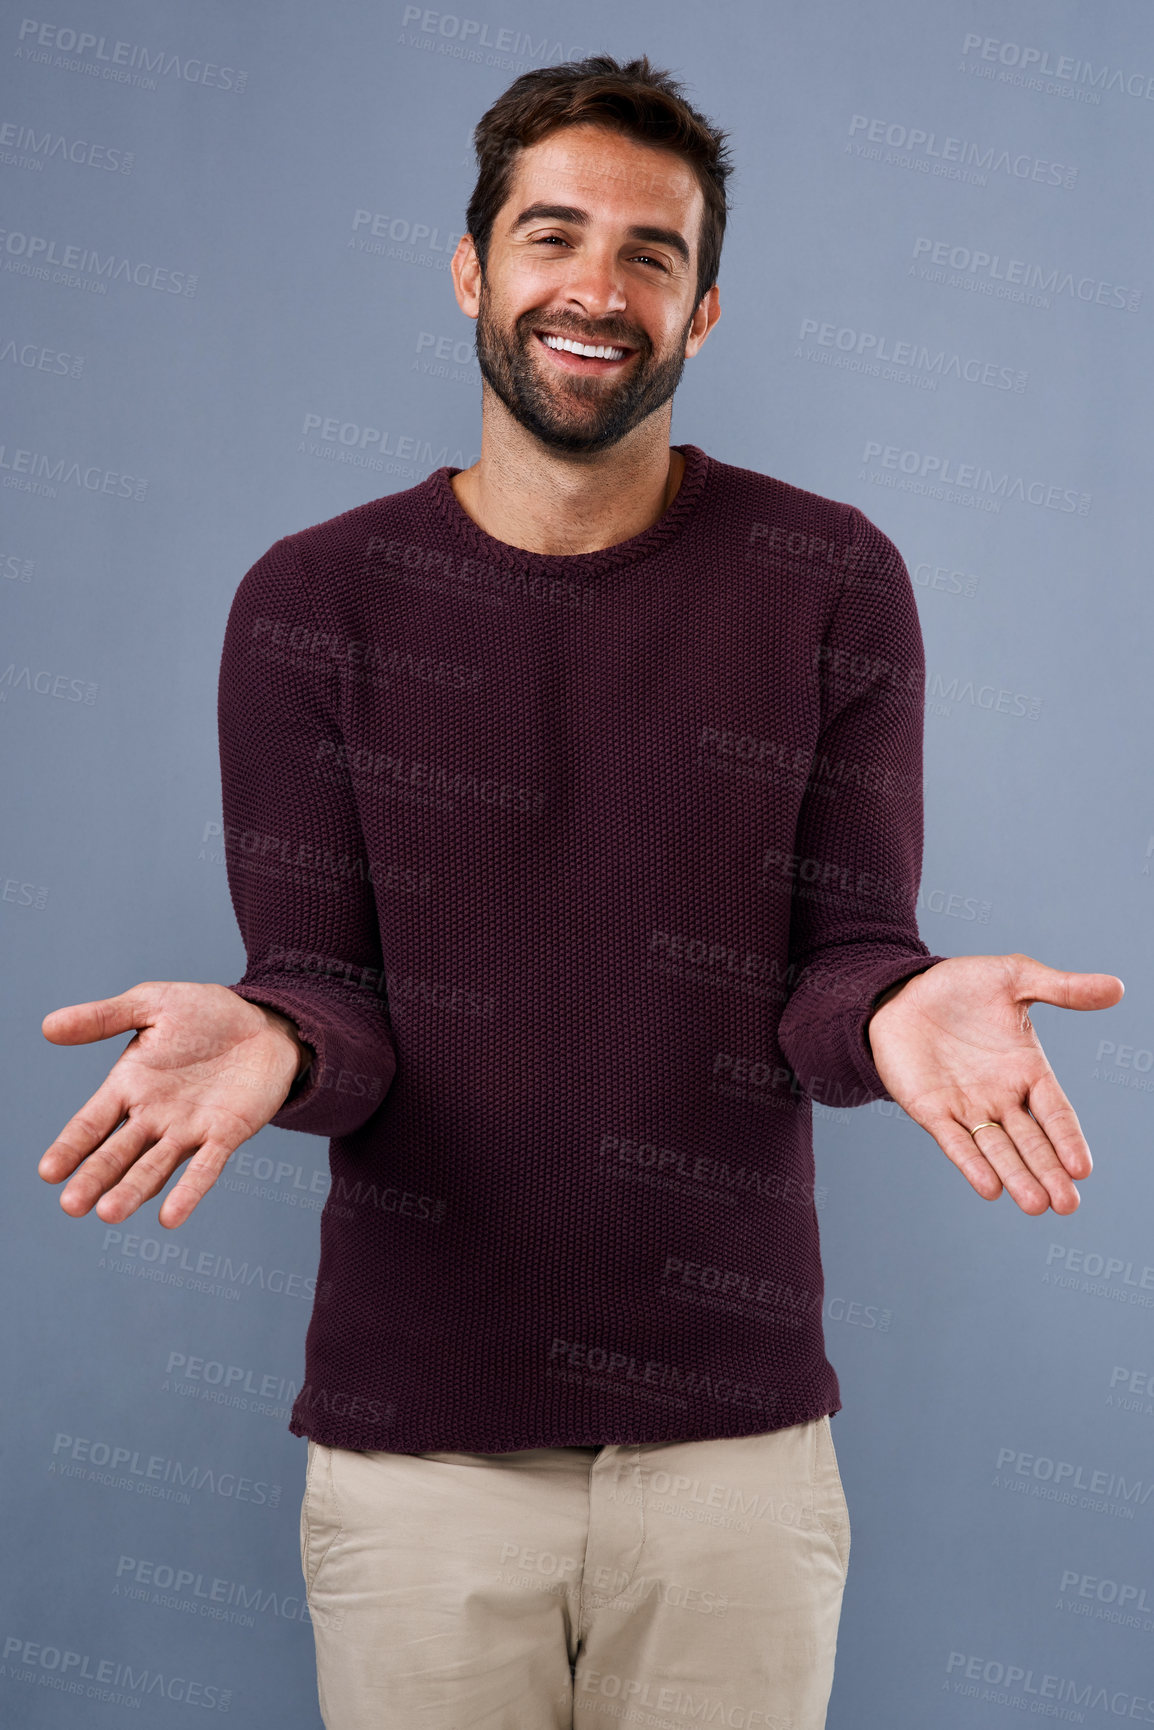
(305, 1054)
(882, 997)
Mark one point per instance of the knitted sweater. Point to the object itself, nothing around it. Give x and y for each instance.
(581, 874)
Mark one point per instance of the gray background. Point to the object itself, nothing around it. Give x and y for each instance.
(996, 1369)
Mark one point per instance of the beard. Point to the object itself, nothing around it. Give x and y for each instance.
(568, 412)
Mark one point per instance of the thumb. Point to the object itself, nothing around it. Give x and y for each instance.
(1042, 984)
(82, 1023)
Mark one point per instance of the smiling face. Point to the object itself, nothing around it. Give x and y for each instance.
(596, 245)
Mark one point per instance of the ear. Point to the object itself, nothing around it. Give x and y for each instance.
(466, 269)
(706, 316)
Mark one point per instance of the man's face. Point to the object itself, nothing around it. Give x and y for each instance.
(586, 277)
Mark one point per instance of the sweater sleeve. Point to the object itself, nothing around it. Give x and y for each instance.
(300, 883)
(858, 850)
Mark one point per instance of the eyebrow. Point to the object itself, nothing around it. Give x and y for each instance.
(580, 219)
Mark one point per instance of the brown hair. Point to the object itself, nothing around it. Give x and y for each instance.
(637, 100)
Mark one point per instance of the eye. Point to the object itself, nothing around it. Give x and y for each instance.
(544, 239)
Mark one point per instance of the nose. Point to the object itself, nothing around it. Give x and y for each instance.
(594, 284)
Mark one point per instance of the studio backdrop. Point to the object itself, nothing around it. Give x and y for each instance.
(225, 235)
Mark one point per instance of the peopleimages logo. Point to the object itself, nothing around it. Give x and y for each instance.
(36, 357)
(121, 1467)
(1138, 1276)
(331, 439)
(121, 62)
(233, 1380)
(197, 1270)
(1007, 1684)
(43, 474)
(397, 238)
(1013, 278)
(1040, 63)
(1095, 1482)
(942, 477)
(867, 351)
(477, 40)
(114, 1681)
(174, 1587)
(25, 147)
(1104, 1591)
(954, 158)
(82, 266)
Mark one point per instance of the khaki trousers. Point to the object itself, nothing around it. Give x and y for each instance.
(661, 1584)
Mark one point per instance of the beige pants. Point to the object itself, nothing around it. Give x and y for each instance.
(663, 1584)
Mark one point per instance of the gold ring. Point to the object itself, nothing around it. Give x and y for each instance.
(990, 1123)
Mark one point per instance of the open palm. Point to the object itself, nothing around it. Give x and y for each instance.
(204, 1072)
(956, 1048)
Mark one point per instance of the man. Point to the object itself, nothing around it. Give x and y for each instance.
(574, 817)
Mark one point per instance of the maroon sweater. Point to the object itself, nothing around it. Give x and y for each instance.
(581, 874)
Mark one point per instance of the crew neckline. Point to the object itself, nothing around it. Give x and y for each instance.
(640, 546)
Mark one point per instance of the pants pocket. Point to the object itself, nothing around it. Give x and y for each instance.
(830, 1504)
(320, 1525)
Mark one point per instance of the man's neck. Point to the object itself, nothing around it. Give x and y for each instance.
(529, 498)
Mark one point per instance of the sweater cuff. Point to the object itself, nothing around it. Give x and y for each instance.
(858, 1018)
(822, 1032)
(351, 1074)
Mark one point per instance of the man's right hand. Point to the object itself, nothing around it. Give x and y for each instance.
(205, 1072)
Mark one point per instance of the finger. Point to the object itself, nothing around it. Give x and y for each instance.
(1058, 1118)
(1042, 984)
(82, 1023)
(1002, 1156)
(1036, 1158)
(145, 1178)
(106, 1166)
(82, 1134)
(194, 1184)
(959, 1146)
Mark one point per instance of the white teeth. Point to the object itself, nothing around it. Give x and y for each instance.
(601, 353)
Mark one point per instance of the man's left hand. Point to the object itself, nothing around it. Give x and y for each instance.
(955, 1047)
